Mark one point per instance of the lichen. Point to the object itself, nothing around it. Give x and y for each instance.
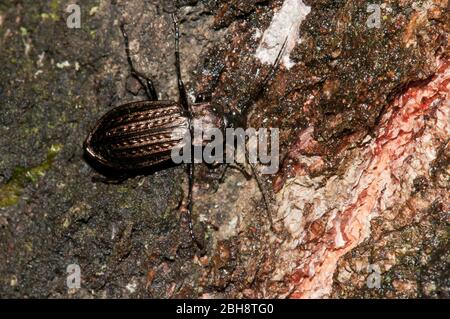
(54, 7)
(11, 191)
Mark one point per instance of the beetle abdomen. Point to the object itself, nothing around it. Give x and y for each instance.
(137, 135)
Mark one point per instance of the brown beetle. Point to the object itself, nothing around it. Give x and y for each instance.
(142, 135)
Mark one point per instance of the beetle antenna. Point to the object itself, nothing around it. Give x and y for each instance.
(267, 79)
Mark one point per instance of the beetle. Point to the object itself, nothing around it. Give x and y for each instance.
(142, 135)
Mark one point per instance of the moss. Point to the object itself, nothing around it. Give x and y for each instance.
(23, 31)
(54, 8)
(53, 14)
(11, 191)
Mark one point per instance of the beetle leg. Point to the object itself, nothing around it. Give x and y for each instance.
(223, 174)
(145, 82)
(109, 179)
(181, 88)
(237, 166)
(188, 111)
(265, 192)
(220, 176)
(190, 204)
(241, 168)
